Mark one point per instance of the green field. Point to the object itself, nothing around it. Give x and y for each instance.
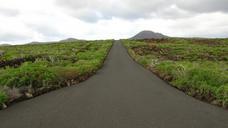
(198, 67)
(30, 70)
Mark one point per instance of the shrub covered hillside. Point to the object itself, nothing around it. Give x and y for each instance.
(198, 67)
(30, 70)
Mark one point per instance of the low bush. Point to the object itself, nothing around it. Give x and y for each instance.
(29, 74)
(222, 95)
(3, 97)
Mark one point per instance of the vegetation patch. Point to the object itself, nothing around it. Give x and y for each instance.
(30, 70)
(198, 67)
(3, 97)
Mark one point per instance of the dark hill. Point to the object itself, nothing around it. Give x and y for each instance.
(149, 35)
(69, 40)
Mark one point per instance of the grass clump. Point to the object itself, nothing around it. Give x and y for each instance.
(29, 74)
(3, 97)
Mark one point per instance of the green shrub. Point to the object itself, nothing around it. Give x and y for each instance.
(3, 97)
(29, 74)
(222, 94)
(65, 73)
(202, 74)
(84, 66)
(144, 61)
(166, 67)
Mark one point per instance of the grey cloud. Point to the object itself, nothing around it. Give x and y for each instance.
(88, 15)
(134, 9)
(8, 37)
(172, 12)
(107, 9)
(203, 6)
(45, 30)
(8, 12)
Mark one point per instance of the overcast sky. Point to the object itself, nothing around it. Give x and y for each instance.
(22, 21)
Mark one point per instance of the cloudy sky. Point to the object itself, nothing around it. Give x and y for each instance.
(22, 21)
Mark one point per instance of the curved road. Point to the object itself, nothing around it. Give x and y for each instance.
(121, 95)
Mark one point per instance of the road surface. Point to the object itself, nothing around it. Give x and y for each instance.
(121, 95)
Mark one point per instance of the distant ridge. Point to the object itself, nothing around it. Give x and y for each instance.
(5, 44)
(35, 42)
(69, 40)
(50, 42)
(148, 35)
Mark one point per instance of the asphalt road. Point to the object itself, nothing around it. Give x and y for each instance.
(121, 95)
